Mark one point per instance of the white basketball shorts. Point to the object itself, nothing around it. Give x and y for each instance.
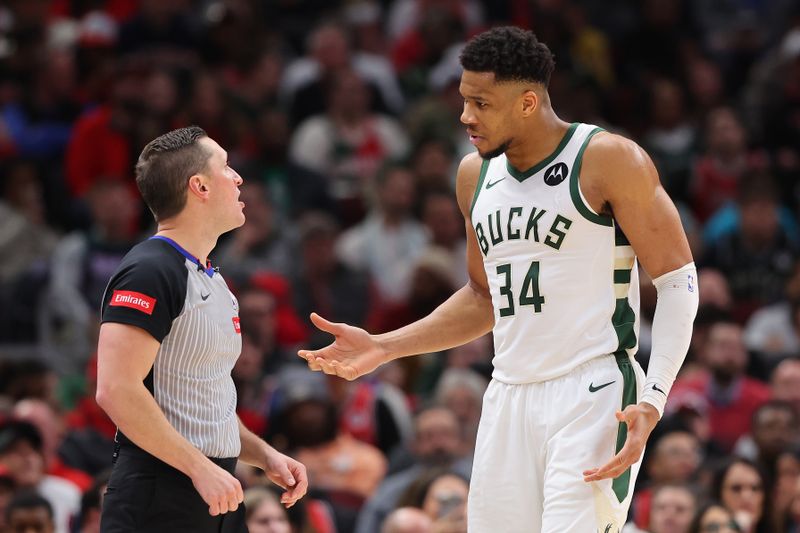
(534, 442)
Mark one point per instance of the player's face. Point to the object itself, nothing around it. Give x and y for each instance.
(224, 186)
(488, 112)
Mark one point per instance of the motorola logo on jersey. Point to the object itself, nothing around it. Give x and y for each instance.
(556, 174)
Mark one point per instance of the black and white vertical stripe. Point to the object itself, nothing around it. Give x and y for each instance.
(192, 372)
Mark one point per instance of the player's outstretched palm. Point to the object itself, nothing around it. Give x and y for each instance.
(353, 352)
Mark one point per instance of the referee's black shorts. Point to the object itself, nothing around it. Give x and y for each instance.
(147, 495)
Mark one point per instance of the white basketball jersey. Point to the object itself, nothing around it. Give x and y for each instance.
(563, 278)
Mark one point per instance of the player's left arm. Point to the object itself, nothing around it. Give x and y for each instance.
(281, 469)
(621, 180)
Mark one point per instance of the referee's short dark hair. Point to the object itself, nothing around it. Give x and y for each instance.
(165, 166)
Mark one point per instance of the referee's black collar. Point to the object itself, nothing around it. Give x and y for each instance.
(208, 268)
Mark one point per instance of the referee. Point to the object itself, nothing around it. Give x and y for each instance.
(169, 338)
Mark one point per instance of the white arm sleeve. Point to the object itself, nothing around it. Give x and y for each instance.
(676, 308)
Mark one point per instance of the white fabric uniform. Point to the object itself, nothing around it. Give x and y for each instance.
(564, 287)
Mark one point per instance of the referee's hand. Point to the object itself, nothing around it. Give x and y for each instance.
(220, 490)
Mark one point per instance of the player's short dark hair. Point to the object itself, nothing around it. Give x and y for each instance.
(511, 53)
(165, 166)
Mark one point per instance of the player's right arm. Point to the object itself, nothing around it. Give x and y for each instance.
(125, 355)
(466, 315)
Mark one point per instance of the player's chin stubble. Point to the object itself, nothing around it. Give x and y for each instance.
(491, 154)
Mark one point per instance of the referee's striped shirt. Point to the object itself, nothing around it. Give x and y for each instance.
(188, 308)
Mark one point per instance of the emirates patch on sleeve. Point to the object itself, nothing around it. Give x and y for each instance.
(134, 300)
(236, 325)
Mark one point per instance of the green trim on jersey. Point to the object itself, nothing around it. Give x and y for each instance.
(621, 484)
(574, 191)
(620, 239)
(522, 176)
(622, 276)
(484, 168)
(623, 320)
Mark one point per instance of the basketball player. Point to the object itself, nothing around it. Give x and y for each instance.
(558, 217)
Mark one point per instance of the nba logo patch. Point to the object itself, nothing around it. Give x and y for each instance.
(691, 283)
(236, 327)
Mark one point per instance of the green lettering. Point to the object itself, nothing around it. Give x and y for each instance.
(499, 238)
(533, 223)
(515, 233)
(559, 233)
(482, 242)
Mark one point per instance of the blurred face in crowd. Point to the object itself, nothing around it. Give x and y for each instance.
(785, 383)
(257, 312)
(260, 214)
(30, 520)
(397, 192)
(676, 457)
(447, 495)
(759, 220)
(743, 491)
(432, 164)
(268, 517)
(329, 47)
(667, 104)
(50, 425)
(725, 354)
(774, 429)
(437, 436)
(24, 463)
(249, 364)
(113, 209)
(725, 134)
(442, 217)
(349, 97)
(672, 510)
(718, 520)
(716, 290)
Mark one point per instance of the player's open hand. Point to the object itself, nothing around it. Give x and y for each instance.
(288, 474)
(640, 418)
(353, 352)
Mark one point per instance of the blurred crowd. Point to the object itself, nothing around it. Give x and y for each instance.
(343, 118)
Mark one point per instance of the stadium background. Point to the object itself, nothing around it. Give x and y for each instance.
(342, 117)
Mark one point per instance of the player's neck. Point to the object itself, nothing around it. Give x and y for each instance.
(191, 237)
(541, 139)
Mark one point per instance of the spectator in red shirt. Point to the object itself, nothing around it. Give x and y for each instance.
(732, 396)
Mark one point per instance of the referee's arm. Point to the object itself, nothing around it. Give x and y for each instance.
(279, 468)
(125, 355)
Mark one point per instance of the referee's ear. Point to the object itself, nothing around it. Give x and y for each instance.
(197, 187)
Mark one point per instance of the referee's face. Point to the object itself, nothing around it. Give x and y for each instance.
(224, 182)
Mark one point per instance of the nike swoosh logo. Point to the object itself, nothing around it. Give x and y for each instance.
(655, 388)
(592, 388)
(493, 183)
(204, 297)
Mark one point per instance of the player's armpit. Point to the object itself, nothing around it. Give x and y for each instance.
(617, 174)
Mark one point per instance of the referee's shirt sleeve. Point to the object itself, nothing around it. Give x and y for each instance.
(148, 291)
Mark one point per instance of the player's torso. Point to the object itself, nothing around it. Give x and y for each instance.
(559, 274)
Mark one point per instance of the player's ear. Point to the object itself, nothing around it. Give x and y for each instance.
(529, 101)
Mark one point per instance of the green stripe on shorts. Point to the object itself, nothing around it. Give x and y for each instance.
(621, 484)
